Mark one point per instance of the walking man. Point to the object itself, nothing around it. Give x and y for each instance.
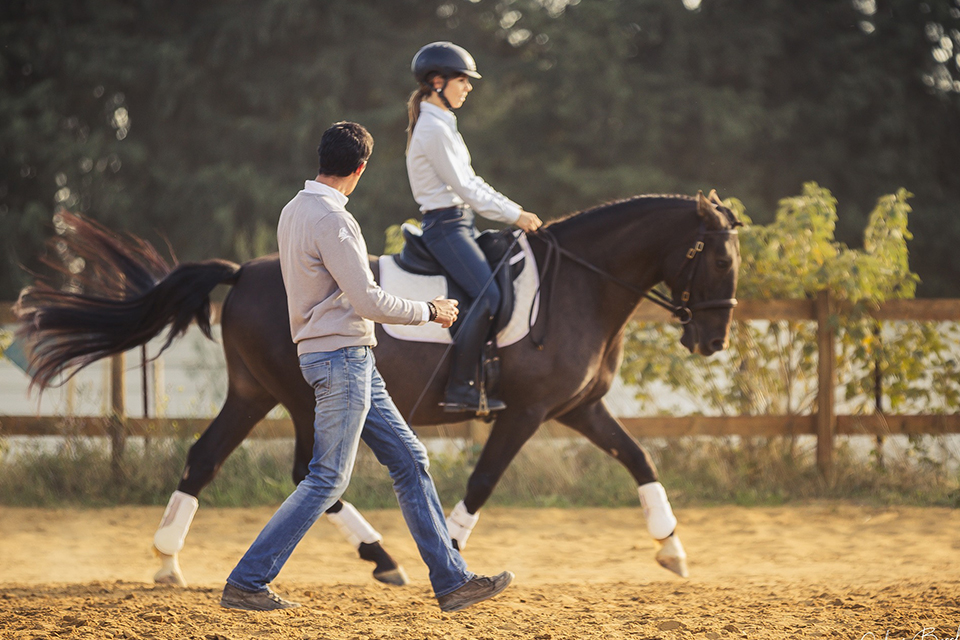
(333, 302)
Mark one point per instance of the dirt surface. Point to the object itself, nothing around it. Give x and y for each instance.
(819, 570)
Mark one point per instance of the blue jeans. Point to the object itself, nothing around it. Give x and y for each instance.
(352, 403)
(451, 235)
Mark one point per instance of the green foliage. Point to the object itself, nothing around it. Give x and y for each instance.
(770, 367)
(797, 254)
(770, 471)
(394, 237)
(79, 472)
(547, 473)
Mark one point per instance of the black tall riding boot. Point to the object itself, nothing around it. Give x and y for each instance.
(463, 386)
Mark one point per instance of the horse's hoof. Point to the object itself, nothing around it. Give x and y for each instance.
(174, 579)
(169, 572)
(672, 556)
(397, 577)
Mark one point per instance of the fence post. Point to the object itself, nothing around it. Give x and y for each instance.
(878, 386)
(144, 381)
(826, 382)
(159, 388)
(118, 412)
(72, 397)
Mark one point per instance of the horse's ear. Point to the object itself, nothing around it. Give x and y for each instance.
(702, 202)
(708, 211)
(714, 198)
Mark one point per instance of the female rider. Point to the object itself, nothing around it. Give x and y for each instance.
(449, 193)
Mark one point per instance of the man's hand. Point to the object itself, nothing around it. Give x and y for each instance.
(446, 311)
(529, 222)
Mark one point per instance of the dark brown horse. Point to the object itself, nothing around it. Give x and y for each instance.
(597, 266)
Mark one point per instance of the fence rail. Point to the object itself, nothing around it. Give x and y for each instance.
(824, 424)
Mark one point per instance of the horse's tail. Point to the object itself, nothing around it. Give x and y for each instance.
(120, 293)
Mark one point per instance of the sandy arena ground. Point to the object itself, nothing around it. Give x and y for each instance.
(812, 571)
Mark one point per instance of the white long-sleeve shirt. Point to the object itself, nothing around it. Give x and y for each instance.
(332, 297)
(440, 171)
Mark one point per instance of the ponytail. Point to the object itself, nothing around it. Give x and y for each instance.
(413, 108)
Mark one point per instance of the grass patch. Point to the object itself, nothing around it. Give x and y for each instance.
(546, 473)
(772, 471)
(79, 472)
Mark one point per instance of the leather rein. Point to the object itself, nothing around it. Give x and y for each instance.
(682, 311)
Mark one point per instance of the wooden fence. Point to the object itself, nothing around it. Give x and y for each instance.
(825, 424)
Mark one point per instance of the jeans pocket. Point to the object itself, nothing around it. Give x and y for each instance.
(318, 374)
(355, 354)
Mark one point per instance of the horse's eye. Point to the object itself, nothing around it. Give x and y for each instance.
(724, 263)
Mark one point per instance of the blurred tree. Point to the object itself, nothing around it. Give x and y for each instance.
(198, 121)
(192, 120)
(753, 98)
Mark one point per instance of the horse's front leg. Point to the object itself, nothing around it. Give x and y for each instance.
(511, 430)
(595, 422)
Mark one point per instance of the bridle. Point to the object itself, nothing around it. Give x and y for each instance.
(683, 310)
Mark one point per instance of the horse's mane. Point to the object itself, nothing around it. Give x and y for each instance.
(646, 203)
(643, 204)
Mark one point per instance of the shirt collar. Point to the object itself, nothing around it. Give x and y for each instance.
(444, 114)
(312, 186)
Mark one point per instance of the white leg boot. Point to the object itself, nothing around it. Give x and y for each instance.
(661, 524)
(460, 524)
(353, 526)
(170, 536)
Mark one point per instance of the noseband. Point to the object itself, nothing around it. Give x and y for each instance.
(682, 311)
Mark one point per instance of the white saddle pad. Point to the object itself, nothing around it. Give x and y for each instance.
(404, 284)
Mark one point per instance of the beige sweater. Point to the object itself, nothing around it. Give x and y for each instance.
(332, 297)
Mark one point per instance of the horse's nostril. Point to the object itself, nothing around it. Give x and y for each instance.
(718, 344)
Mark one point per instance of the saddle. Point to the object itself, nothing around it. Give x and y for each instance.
(416, 258)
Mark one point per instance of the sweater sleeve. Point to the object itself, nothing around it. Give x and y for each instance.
(344, 254)
(461, 177)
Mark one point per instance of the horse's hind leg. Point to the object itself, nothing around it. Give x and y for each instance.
(343, 515)
(247, 403)
(367, 540)
(595, 422)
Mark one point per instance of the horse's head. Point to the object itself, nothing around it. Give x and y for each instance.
(705, 284)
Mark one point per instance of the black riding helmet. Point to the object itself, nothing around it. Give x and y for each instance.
(444, 58)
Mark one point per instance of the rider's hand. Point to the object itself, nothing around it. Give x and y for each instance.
(529, 222)
(446, 311)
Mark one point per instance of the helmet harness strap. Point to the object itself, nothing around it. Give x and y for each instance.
(440, 92)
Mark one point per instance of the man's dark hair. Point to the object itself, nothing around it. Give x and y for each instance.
(343, 148)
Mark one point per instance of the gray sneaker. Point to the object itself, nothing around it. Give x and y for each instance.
(477, 590)
(266, 600)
